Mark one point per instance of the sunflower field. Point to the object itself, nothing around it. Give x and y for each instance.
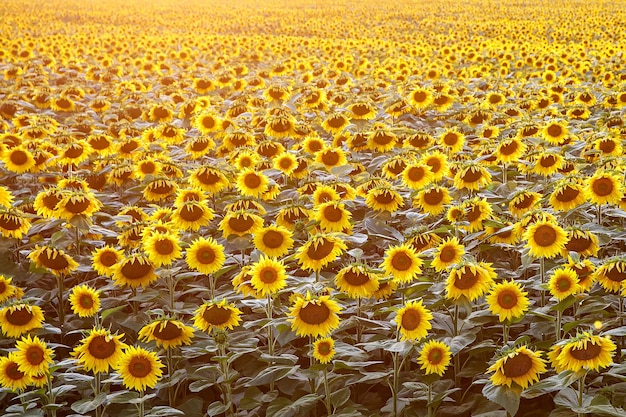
(312, 208)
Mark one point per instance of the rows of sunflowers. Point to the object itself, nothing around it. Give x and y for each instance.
(312, 208)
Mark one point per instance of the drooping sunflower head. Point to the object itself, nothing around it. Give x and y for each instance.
(240, 223)
(192, 215)
(13, 223)
(357, 281)
(586, 351)
(167, 333)
(54, 260)
(383, 198)
(611, 274)
(470, 280)
(19, 318)
(520, 365)
(220, 315)
(320, 250)
(314, 316)
(523, 201)
(134, 271)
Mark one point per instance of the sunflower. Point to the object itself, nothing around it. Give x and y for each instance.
(13, 223)
(162, 249)
(420, 98)
(33, 356)
(167, 333)
(567, 195)
(413, 320)
(320, 250)
(56, 261)
(384, 198)
(563, 283)
(134, 270)
(285, 162)
(217, 314)
(510, 150)
(434, 357)
(448, 253)
(240, 223)
(324, 350)
(99, 350)
(586, 351)
(545, 238)
(6, 198)
(159, 189)
(508, 300)
(331, 157)
(438, 163)
(241, 283)
(103, 259)
(381, 138)
(452, 140)
(85, 301)
(20, 318)
(584, 269)
(604, 188)
(192, 215)
(432, 199)
(7, 290)
(268, 276)
(611, 274)
(357, 281)
(609, 146)
(209, 179)
(291, 215)
(207, 122)
(77, 203)
(470, 280)
(547, 163)
(520, 365)
(362, 110)
(476, 210)
(18, 159)
(139, 368)
(251, 182)
(402, 263)
(11, 377)
(422, 239)
(323, 193)
(279, 126)
(314, 316)
(273, 240)
(472, 176)
(555, 132)
(333, 217)
(417, 175)
(205, 255)
(583, 242)
(523, 201)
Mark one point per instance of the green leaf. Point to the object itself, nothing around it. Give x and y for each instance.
(106, 313)
(280, 407)
(216, 408)
(605, 410)
(509, 398)
(340, 397)
(122, 397)
(567, 398)
(272, 373)
(89, 404)
(164, 411)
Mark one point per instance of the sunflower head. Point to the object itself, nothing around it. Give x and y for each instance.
(519, 365)
(434, 357)
(413, 320)
(85, 301)
(314, 315)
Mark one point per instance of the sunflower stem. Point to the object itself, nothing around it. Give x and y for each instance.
(557, 330)
(171, 286)
(542, 272)
(96, 391)
(430, 398)
(581, 390)
(140, 406)
(51, 396)
(170, 367)
(270, 333)
(60, 287)
(358, 321)
(395, 383)
(329, 409)
(505, 332)
(599, 215)
(133, 291)
(211, 286)
(226, 372)
(457, 364)
(504, 173)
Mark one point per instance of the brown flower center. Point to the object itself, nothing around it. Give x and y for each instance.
(216, 315)
(420, 96)
(19, 157)
(447, 254)
(314, 313)
(435, 356)
(592, 351)
(615, 275)
(168, 332)
(563, 284)
(578, 244)
(34, 355)
(252, 181)
(356, 278)
(324, 348)
(268, 275)
(206, 255)
(433, 197)
(10, 222)
(411, 319)
(208, 177)
(507, 299)
(108, 258)
(333, 214)
(86, 301)
(547, 161)
(336, 122)
(208, 122)
(320, 250)
(472, 174)
(401, 261)
(139, 367)
(134, 269)
(360, 109)
(451, 139)
(509, 148)
(273, 239)
(466, 279)
(554, 130)
(524, 201)
(474, 213)
(164, 247)
(19, 317)
(78, 205)
(13, 372)
(241, 224)
(545, 235)
(191, 212)
(384, 197)
(517, 366)
(55, 260)
(602, 187)
(330, 158)
(434, 164)
(416, 173)
(567, 194)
